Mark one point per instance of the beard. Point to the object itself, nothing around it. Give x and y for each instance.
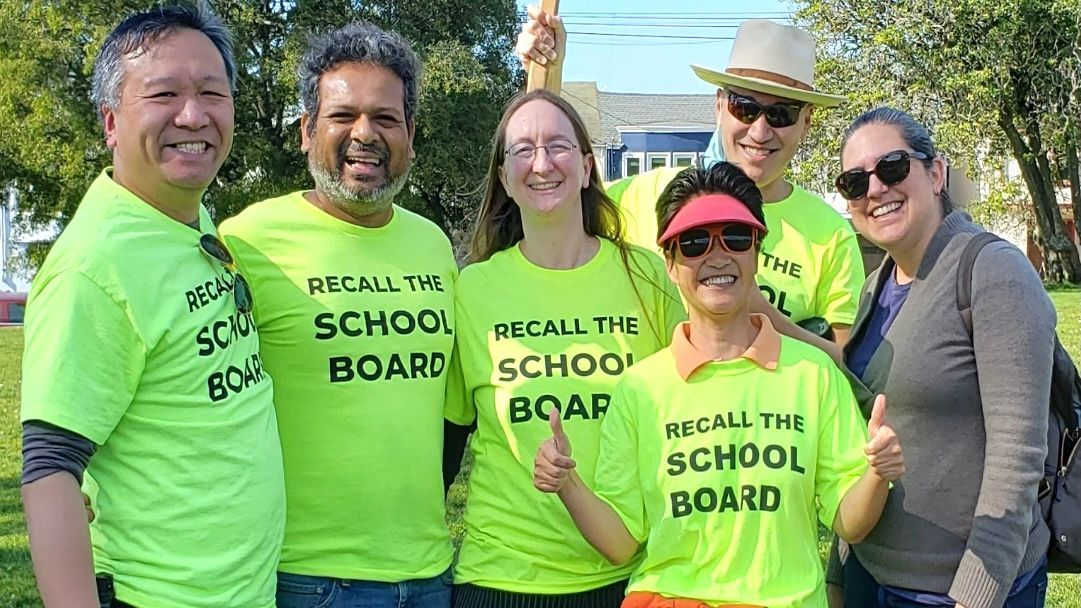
(357, 201)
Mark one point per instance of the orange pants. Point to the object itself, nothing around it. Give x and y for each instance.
(645, 599)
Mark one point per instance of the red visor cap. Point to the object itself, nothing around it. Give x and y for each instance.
(710, 209)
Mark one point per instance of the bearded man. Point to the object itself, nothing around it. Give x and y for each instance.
(355, 311)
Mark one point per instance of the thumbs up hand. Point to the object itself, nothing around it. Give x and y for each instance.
(883, 448)
(553, 464)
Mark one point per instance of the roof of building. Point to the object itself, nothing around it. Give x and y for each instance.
(583, 96)
(605, 113)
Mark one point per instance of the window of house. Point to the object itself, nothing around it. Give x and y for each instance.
(656, 161)
(684, 159)
(632, 164)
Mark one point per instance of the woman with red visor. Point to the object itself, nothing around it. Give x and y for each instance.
(721, 453)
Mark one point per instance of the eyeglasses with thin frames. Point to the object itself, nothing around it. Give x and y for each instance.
(557, 150)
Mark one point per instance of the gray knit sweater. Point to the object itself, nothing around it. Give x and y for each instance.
(963, 520)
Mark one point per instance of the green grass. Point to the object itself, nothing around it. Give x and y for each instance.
(1068, 304)
(17, 589)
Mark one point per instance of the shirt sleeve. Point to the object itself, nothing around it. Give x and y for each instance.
(48, 449)
(617, 480)
(842, 434)
(616, 189)
(82, 358)
(242, 253)
(1013, 329)
(842, 280)
(455, 438)
(458, 406)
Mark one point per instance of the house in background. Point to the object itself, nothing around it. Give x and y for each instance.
(636, 132)
(15, 242)
(1018, 227)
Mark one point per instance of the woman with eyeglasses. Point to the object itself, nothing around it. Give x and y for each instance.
(552, 309)
(963, 526)
(721, 453)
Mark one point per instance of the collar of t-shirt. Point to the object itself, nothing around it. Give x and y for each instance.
(765, 350)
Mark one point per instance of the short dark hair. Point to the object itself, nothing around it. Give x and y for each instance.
(719, 178)
(358, 42)
(138, 32)
(916, 136)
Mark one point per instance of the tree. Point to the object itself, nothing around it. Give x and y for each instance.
(51, 145)
(991, 77)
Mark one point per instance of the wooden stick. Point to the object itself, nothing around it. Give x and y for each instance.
(537, 75)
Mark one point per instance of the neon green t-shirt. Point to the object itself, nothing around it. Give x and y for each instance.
(809, 264)
(133, 340)
(530, 339)
(356, 326)
(721, 476)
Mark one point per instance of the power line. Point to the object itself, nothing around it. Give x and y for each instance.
(669, 15)
(656, 25)
(623, 121)
(674, 19)
(616, 35)
(643, 44)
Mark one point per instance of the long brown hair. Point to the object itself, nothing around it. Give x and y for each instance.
(499, 221)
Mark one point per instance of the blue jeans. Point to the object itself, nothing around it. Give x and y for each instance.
(861, 589)
(301, 591)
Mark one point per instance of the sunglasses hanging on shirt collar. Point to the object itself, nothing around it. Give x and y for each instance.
(213, 248)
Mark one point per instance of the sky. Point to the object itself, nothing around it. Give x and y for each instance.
(620, 61)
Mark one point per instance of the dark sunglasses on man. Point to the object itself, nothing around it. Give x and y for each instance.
(891, 169)
(778, 115)
(214, 249)
(697, 242)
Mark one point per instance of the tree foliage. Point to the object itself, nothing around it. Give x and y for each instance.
(51, 145)
(994, 79)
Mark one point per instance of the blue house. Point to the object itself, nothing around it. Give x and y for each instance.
(636, 132)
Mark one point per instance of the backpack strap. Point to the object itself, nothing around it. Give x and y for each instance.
(1066, 390)
(964, 275)
(1065, 397)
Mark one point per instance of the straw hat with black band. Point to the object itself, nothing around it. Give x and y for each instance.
(771, 58)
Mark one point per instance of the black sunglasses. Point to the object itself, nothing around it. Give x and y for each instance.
(778, 115)
(891, 169)
(216, 250)
(697, 242)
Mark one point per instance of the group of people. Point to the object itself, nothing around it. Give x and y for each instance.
(271, 418)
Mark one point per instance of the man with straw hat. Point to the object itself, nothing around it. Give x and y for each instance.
(809, 265)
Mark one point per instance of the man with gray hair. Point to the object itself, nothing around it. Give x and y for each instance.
(141, 374)
(355, 308)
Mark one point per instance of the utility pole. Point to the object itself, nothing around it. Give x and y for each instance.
(7, 213)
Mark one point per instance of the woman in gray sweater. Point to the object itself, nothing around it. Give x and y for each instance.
(962, 527)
